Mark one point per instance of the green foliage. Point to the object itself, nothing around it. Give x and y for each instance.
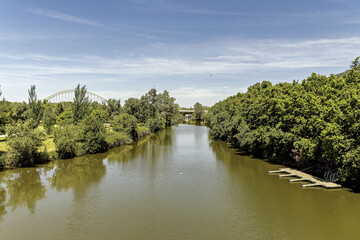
(65, 139)
(100, 114)
(49, 118)
(156, 123)
(143, 131)
(35, 107)
(133, 107)
(198, 111)
(312, 122)
(115, 139)
(92, 135)
(125, 123)
(113, 108)
(81, 103)
(24, 144)
(65, 118)
(78, 126)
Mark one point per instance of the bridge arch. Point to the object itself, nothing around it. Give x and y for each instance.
(68, 95)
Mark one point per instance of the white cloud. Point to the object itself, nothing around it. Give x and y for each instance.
(64, 17)
(239, 63)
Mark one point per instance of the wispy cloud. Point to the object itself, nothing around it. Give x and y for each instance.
(64, 17)
(213, 64)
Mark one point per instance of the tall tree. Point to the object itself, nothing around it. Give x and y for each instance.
(198, 111)
(113, 107)
(81, 103)
(355, 64)
(35, 107)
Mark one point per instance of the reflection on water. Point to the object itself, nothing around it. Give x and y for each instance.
(25, 188)
(77, 174)
(2, 203)
(147, 147)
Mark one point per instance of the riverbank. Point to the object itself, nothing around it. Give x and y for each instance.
(137, 192)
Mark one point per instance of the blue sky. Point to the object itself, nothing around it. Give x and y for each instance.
(197, 50)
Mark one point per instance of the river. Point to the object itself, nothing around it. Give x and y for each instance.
(175, 184)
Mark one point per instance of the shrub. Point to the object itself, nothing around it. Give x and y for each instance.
(65, 139)
(115, 139)
(92, 135)
(24, 144)
(125, 123)
(143, 131)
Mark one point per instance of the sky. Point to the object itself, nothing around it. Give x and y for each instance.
(199, 50)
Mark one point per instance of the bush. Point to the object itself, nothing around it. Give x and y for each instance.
(92, 135)
(125, 123)
(156, 124)
(115, 139)
(65, 139)
(143, 131)
(24, 144)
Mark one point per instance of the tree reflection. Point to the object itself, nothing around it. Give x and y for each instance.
(25, 188)
(78, 173)
(2, 203)
(148, 147)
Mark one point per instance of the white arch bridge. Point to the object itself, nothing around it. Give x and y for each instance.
(68, 96)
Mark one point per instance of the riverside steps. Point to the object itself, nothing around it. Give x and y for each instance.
(304, 177)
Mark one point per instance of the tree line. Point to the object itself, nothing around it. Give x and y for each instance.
(81, 126)
(314, 123)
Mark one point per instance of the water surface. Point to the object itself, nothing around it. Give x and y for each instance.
(138, 192)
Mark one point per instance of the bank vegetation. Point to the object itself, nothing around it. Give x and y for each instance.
(38, 130)
(313, 123)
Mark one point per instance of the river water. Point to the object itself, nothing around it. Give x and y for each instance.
(175, 184)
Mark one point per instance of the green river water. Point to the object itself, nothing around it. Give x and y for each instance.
(138, 192)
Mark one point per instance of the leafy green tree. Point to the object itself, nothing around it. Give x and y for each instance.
(49, 118)
(115, 139)
(125, 123)
(66, 141)
(24, 144)
(92, 135)
(35, 107)
(113, 107)
(133, 107)
(81, 103)
(198, 111)
(19, 112)
(355, 64)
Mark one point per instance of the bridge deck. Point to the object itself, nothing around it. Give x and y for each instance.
(304, 177)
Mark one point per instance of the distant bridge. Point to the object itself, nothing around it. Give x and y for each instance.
(187, 113)
(68, 96)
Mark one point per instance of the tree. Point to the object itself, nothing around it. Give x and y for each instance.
(81, 103)
(355, 64)
(65, 139)
(125, 123)
(113, 107)
(92, 135)
(49, 118)
(24, 144)
(133, 107)
(35, 107)
(198, 111)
